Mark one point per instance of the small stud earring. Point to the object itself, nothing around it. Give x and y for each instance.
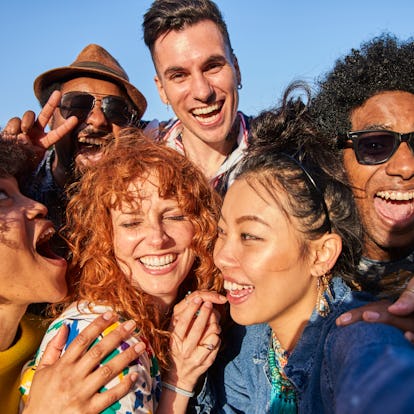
(239, 86)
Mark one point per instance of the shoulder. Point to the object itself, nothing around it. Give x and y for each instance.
(243, 343)
(31, 332)
(368, 365)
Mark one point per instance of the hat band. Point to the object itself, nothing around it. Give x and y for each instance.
(98, 66)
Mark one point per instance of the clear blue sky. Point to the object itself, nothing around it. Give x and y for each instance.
(275, 41)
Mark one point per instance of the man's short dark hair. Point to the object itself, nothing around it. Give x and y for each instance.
(382, 64)
(166, 15)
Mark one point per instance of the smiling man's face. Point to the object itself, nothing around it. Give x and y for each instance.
(384, 192)
(197, 74)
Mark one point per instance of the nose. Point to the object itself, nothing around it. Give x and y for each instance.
(201, 88)
(401, 163)
(224, 255)
(96, 117)
(156, 234)
(33, 208)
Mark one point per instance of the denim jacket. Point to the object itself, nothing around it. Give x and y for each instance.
(361, 368)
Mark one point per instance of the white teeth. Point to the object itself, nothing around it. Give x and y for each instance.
(92, 141)
(46, 235)
(235, 286)
(206, 110)
(158, 262)
(396, 195)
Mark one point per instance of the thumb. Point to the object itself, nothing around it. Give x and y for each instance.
(54, 348)
(405, 303)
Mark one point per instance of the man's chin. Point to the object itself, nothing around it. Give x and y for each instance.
(85, 159)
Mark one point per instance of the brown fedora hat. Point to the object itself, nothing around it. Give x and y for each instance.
(92, 60)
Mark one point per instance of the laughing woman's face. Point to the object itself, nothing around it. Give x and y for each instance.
(30, 271)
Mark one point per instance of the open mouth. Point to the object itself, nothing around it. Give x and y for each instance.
(209, 113)
(91, 144)
(158, 262)
(236, 290)
(395, 205)
(43, 244)
(396, 195)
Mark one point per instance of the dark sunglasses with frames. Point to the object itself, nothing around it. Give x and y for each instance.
(116, 109)
(373, 147)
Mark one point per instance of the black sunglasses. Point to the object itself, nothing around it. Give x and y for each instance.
(375, 146)
(117, 110)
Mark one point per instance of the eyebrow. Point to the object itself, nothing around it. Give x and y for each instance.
(138, 211)
(209, 60)
(255, 219)
(375, 127)
(248, 218)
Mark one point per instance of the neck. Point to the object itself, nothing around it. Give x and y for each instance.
(10, 317)
(206, 155)
(289, 325)
(375, 252)
(60, 174)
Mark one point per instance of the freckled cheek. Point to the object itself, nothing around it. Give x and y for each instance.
(183, 234)
(125, 243)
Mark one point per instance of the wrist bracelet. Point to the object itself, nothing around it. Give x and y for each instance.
(177, 389)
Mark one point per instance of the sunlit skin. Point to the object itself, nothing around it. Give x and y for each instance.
(261, 250)
(152, 242)
(95, 126)
(30, 275)
(199, 78)
(388, 225)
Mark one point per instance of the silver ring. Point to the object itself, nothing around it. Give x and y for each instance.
(209, 347)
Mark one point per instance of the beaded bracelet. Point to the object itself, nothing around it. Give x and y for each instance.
(177, 390)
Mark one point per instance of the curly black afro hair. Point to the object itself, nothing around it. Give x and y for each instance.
(382, 64)
(16, 160)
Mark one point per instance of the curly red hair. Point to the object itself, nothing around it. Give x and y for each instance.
(94, 273)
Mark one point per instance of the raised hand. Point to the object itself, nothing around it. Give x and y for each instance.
(31, 131)
(195, 337)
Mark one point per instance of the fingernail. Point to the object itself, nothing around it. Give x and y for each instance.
(134, 377)
(139, 347)
(410, 336)
(197, 300)
(107, 315)
(346, 317)
(399, 305)
(129, 325)
(371, 316)
(208, 305)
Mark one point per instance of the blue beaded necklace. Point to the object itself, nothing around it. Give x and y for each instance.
(283, 396)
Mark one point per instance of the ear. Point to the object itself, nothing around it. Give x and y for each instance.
(237, 68)
(161, 90)
(326, 250)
